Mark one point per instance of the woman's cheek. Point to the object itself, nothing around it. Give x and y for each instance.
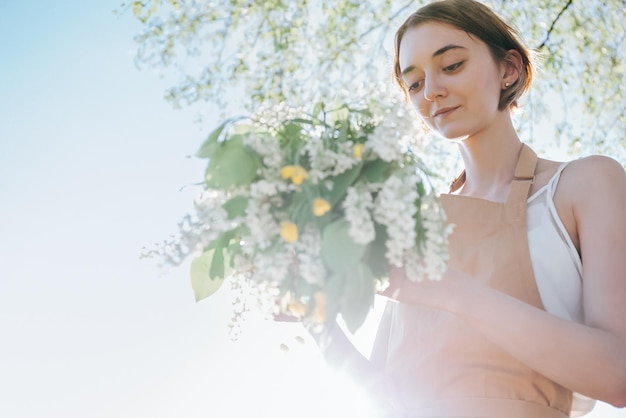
(423, 109)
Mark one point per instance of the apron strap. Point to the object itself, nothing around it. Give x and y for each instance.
(522, 179)
(524, 176)
(457, 182)
(526, 164)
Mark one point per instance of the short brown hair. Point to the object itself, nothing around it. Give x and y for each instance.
(479, 21)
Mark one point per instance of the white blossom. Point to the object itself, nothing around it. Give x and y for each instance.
(271, 267)
(385, 143)
(435, 250)
(272, 116)
(395, 208)
(308, 250)
(263, 189)
(358, 205)
(324, 161)
(267, 146)
(263, 227)
(264, 260)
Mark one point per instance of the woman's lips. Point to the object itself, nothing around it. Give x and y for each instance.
(445, 111)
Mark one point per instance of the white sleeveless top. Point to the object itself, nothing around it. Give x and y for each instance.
(556, 264)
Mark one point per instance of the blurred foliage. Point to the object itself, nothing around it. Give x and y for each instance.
(239, 53)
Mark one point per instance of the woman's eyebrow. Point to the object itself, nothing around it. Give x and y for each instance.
(437, 53)
(445, 49)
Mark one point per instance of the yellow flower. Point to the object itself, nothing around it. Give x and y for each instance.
(287, 171)
(289, 231)
(297, 309)
(320, 206)
(357, 151)
(296, 173)
(319, 313)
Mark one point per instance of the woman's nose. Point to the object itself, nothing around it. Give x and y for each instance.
(433, 89)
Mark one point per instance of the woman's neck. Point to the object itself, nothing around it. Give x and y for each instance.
(490, 158)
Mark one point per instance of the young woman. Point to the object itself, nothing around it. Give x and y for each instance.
(532, 310)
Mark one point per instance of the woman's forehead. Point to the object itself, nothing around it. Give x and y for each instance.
(426, 41)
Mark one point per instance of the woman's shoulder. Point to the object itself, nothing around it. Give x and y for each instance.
(583, 171)
(595, 172)
(589, 180)
(596, 162)
(582, 184)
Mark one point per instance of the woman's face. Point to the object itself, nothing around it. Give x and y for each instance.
(451, 78)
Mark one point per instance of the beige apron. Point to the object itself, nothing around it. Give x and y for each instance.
(440, 367)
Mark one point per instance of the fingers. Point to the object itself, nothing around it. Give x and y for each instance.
(392, 292)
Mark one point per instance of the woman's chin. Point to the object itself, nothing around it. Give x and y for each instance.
(452, 134)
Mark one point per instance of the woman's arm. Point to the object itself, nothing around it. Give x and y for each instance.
(588, 358)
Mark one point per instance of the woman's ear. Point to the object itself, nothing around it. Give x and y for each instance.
(511, 68)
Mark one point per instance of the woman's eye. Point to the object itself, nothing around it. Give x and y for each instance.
(453, 66)
(415, 86)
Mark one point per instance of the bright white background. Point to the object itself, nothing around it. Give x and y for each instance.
(92, 160)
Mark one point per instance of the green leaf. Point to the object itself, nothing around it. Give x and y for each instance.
(305, 121)
(334, 288)
(318, 108)
(420, 231)
(365, 112)
(208, 146)
(202, 284)
(421, 190)
(358, 297)
(300, 207)
(376, 171)
(344, 125)
(236, 206)
(292, 130)
(341, 184)
(242, 129)
(232, 164)
(339, 251)
(217, 264)
(375, 253)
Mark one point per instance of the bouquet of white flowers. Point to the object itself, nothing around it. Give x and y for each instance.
(312, 210)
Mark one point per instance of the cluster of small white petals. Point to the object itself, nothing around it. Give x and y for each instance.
(314, 148)
(343, 158)
(240, 309)
(308, 250)
(173, 251)
(384, 141)
(243, 263)
(435, 250)
(266, 295)
(263, 189)
(272, 116)
(213, 220)
(358, 205)
(326, 162)
(411, 132)
(414, 265)
(262, 225)
(267, 146)
(194, 232)
(272, 266)
(394, 208)
(397, 130)
(432, 260)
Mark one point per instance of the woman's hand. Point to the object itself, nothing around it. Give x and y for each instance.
(447, 293)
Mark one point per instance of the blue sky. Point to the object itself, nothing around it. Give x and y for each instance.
(92, 160)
